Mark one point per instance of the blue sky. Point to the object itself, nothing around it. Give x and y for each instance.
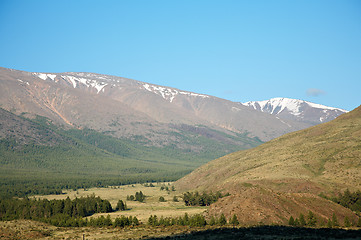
(237, 50)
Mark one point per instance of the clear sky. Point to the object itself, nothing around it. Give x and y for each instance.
(237, 50)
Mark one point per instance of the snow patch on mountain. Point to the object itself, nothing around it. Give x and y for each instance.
(88, 82)
(86, 79)
(25, 82)
(99, 82)
(169, 93)
(45, 76)
(294, 107)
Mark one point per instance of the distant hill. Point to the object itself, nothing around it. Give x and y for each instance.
(287, 170)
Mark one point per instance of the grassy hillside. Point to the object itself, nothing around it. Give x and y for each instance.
(328, 155)
(322, 159)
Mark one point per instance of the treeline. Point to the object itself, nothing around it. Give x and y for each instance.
(301, 221)
(21, 184)
(204, 199)
(45, 210)
(61, 220)
(310, 220)
(196, 220)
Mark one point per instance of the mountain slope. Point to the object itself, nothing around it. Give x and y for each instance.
(326, 153)
(39, 157)
(38, 145)
(119, 107)
(297, 110)
(322, 159)
(102, 101)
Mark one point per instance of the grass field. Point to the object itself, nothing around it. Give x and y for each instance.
(26, 229)
(142, 210)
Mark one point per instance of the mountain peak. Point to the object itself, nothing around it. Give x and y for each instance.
(296, 109)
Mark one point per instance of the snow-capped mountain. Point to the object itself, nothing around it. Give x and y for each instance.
(284, 108)
(295, 109)
(158, 115)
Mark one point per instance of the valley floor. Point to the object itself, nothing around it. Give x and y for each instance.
(28, 229)
(141, 210)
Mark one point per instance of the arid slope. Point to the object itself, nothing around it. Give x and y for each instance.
(328, 155)
(273, 180)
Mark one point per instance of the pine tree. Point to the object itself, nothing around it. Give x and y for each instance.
(117, 222)
(222, 220)
(108, 221)
(234, 220)
(297, 222)
(153, 220)
(311, 219)
(186, 219)
(347, 222)
(212, 221)
(302, 220)
(291, 221)
(197, 221)
(329, 223)
(121, 206)
(334, 220)
(135, 221)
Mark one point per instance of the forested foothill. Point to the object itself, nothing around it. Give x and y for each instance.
(35, 151)
(45, 159)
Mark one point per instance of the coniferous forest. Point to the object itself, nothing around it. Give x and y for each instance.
(56, 212)
(58, 158)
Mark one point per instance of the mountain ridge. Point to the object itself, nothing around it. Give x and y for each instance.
(191, 108)
(296, 109)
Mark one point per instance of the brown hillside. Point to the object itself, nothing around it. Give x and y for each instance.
(256, 205)
(286, 174)
(328, 155)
